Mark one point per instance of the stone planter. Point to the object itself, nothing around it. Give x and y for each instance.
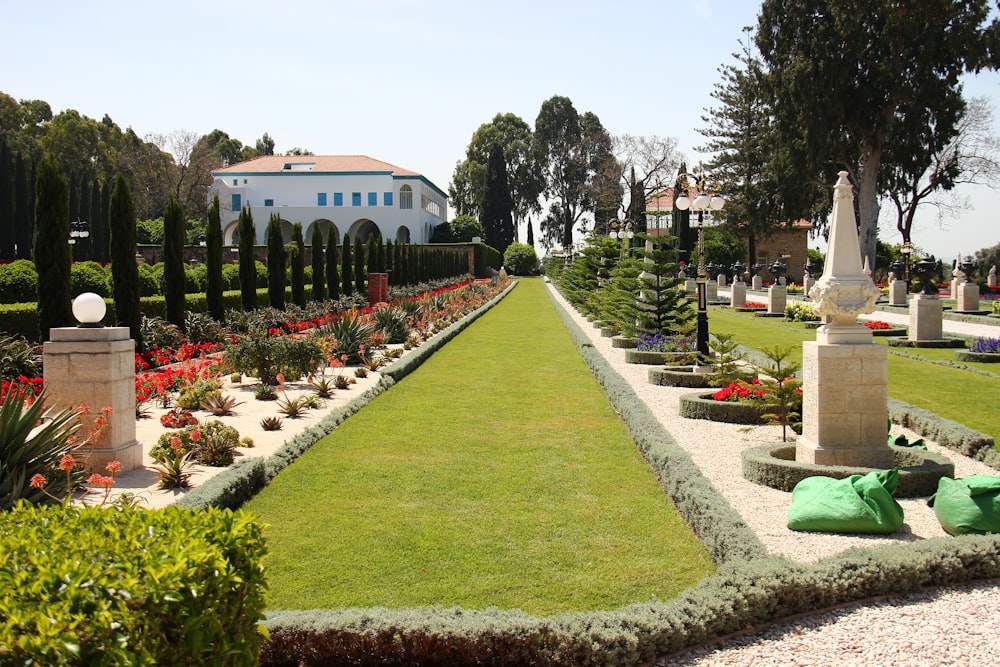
(622, 342)
(683, 376)
(650, 358)
(774, 465)
(978, 357)
(608, 332)
(701, 406)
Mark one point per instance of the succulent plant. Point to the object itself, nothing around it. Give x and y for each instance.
(271, 423)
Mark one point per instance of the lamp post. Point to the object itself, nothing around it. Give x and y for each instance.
(906, 251)
(78, 229)
(622, 231)
(702, 203)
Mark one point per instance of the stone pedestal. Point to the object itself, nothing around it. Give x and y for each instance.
(739, 294)
(844, 416)
(712, 291)
(756, 283)
(96, 366)
(897, 293)
(378, 288)
(777, 297)
(955, 282)
(926, 315)
(690, 285)
(807, 285)
(722, 280)
(968, 298)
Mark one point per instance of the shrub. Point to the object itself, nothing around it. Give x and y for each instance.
(520, 259)
(149, 281)
(129, 586)
(390, 321)
(212, 444)
(350, 334)
(201, 328)
(798, 311)
(18, 357)
(263, 356)
(90, 277)
(18, 282)
(197, 392)
(159, 333)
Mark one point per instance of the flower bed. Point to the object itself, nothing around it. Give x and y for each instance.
(700, 405)
(984, 351)
(751, 306)
(880, 328)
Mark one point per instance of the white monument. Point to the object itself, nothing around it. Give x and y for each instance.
(844, 372)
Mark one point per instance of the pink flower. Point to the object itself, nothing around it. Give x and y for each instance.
(67, 463)
(101, 481)
(175, 443)
(38, 482)
(114, 467)
(195, 436)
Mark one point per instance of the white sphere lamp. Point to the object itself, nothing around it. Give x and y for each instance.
(89, 309)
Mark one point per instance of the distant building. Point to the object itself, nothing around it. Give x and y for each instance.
(787, 242)
(352, 194)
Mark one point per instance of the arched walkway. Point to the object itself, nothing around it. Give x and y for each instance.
(363, 229)
(403, 234)
(326, 228)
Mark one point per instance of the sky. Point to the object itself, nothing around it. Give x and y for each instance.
(404, 81)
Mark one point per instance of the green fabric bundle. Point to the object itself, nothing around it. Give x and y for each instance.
(855, 504)
(970, 505)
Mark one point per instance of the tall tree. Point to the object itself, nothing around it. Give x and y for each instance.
(524, 177)
(680, 223)
(359, 265)
(213, 262)
(275, 263)
(531, 234)
(318, 265)
(742, 139)
(297, 258)
(50, 248)
(174, 278)
(7, 239)
(98, 225)
(248, 263)
(124, 271)
(24, 209)
(265, 145)
(497, 216)
(849, 79)
(347, 266)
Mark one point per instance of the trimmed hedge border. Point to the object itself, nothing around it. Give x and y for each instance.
(652, 358)
(944, 342)
(980, 357)
(774, 465)
(700, 405)
(945, 432)
(622, 342)
(679, 376)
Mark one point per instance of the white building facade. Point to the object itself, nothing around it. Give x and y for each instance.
(352, 194)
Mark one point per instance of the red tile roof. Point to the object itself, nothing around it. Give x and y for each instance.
(275, 164)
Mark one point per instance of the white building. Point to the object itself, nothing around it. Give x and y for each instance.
(352, 194)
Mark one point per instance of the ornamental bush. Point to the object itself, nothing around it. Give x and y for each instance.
(18, 282)
(520, 259)
(212, 443)
(91, 586)
(90, 277)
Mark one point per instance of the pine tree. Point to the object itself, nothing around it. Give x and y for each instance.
(275, 263)
(663, 306)
(359, 265)
(347, 266)
(213, 263)
(318, 265)
(297, 257)
(124, 271)
(248, 265)
(332, 274)
(51, 249)
(174, 278)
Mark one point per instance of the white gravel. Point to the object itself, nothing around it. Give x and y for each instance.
(958, 626)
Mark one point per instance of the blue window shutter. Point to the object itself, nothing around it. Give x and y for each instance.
(373, 199)
(355, 199)
(321, 199)
(338, 198)
(387, 199)
(236, 203)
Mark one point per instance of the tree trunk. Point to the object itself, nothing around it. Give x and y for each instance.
(868, 207)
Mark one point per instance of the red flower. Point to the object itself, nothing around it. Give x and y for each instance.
(38, 482)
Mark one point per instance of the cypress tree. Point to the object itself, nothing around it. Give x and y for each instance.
(106, 220)
(275, 263)
(359, 265)
(248, 267)
(332, 274)
(298, 258)
(98, 225)
(318, 265)
(85, 243)
(389, 258)
(213, 262)
(347, 266)
(531, 234)
(7, 239)
(398, 265)
(174, 278)
(51, 248)
(24, 208)
(498, 206)
(124, 272)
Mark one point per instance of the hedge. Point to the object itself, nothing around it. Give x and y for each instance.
(127, 586)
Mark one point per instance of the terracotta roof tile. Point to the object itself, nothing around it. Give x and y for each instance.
(274, 164)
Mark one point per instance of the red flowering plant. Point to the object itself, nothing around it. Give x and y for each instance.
(754, 305)
(741, 391)
(877, 325)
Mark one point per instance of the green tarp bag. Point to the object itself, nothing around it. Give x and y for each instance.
(970, 505)
(856, 504)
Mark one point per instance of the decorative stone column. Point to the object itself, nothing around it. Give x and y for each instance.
(968, 298)
(897, 292)
(712, 291)
(807, 284)
(777, 298)
(96, 365)
(991, 279)
(926, 318)
(844, 372)
(756, 283)
(739, 294)
(722, 280)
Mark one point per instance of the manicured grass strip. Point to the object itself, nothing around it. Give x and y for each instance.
(943, 390)
(497, 474)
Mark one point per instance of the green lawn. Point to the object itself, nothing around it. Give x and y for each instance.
(497, 474)
(950, 392)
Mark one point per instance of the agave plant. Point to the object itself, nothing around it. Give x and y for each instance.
(265, 392)
(19, 357)
(351, 333)
(322, 388)
(174, 471)
(33, 440)
(292, 408)
(271, 423)
(220, 405)
(392, 322)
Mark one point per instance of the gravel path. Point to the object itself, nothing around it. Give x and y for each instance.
(957, 626)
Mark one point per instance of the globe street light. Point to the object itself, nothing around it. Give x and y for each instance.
(623, 232)
(702, 203)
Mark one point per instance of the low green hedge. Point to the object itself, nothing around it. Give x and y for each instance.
(980, 357)
(946, 432)
(679, 376)
(127, 586)
(700, 405)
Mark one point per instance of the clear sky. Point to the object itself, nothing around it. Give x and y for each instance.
(404, 81)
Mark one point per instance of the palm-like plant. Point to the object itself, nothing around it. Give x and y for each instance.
(33, 440)
(351, 333)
